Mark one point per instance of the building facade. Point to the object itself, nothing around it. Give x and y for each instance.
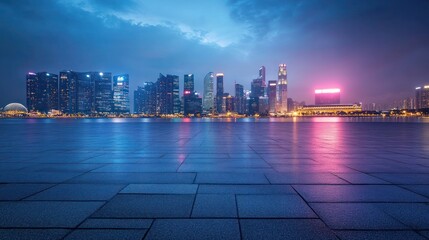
(282, 89)
(68, 92)
(121, 96)
(422, 97)
(272, 93)
(208, 97)
(219, 92)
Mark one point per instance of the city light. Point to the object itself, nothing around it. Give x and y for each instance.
(329, 90)
(120, 78)
(219, 74)
(101, 74)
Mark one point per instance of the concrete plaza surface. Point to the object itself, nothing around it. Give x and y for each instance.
(153, 179)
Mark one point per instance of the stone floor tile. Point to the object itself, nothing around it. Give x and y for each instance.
(304, 178)
(246, 189)
(272, 229)
(356, 216)
(414, 215)
(119, 178)
(357, 193)
(116, 223)
(33, 234)
(147, 206)
(19, 191)
(45, 214)
(273, 206)
(161, 188)
(378, 235)
(81, 192)
(231, 178)
(194, 229)
(215, 206)
(106, 234)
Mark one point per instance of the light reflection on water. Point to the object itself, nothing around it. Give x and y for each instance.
(209, 120)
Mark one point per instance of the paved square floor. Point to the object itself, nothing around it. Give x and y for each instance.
(175, 179)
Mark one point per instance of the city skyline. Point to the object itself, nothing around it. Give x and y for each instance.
(374, 51)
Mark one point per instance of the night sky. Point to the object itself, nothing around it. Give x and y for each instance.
(375, 51)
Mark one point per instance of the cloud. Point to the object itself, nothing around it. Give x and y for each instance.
(208, 22)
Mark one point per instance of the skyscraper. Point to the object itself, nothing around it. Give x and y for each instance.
(85, 93)
(145, 99)
(219, 92)
(33, 99)
(262, 77)
(272, 92)
(282, 89)
(42, 92)
(167, 90)
(68, 92)
(422, 97)
(240, 99)
(208, 103)
(121, 97)
(188, 86)
(103, 93)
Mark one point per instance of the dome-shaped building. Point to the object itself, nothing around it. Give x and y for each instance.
(15, 109)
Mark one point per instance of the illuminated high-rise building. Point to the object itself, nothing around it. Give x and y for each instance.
(208, 103)
(272, 93)
(145, 99)
(85, 93)
(240, 99)
(188, 83)
(219, 92)
(282, 89)
(42, 92)
(422, 97)
(33, 99)
(121, 97)
(167, 90)
(68, 92)
(262, 77)
(103, 101)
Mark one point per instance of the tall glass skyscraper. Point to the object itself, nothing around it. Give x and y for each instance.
(145, 99)
(272, 93)
(208, 98)
(219, 92)
(68, 91)
(282, 89)
(42, 92)
(188, 86)
(240, 99)
(121, 97)
(103, 92)
(85, 93)
(167, 90)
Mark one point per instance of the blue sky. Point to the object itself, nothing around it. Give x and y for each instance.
(375, 51)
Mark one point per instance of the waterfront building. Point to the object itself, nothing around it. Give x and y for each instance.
(103, 101)
(327, 96)
(188, 83)
(208, 98)
(282, 89)
(272, 93)
(240, 99)
(422, 97)
(42, 92)
(68, 101)
(329, 109)
(121, 98)
(145, 99)
(219, 92)
(167, 90)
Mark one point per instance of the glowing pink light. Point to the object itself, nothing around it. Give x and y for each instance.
(330, 90)
(31, 73)
(187, 92)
